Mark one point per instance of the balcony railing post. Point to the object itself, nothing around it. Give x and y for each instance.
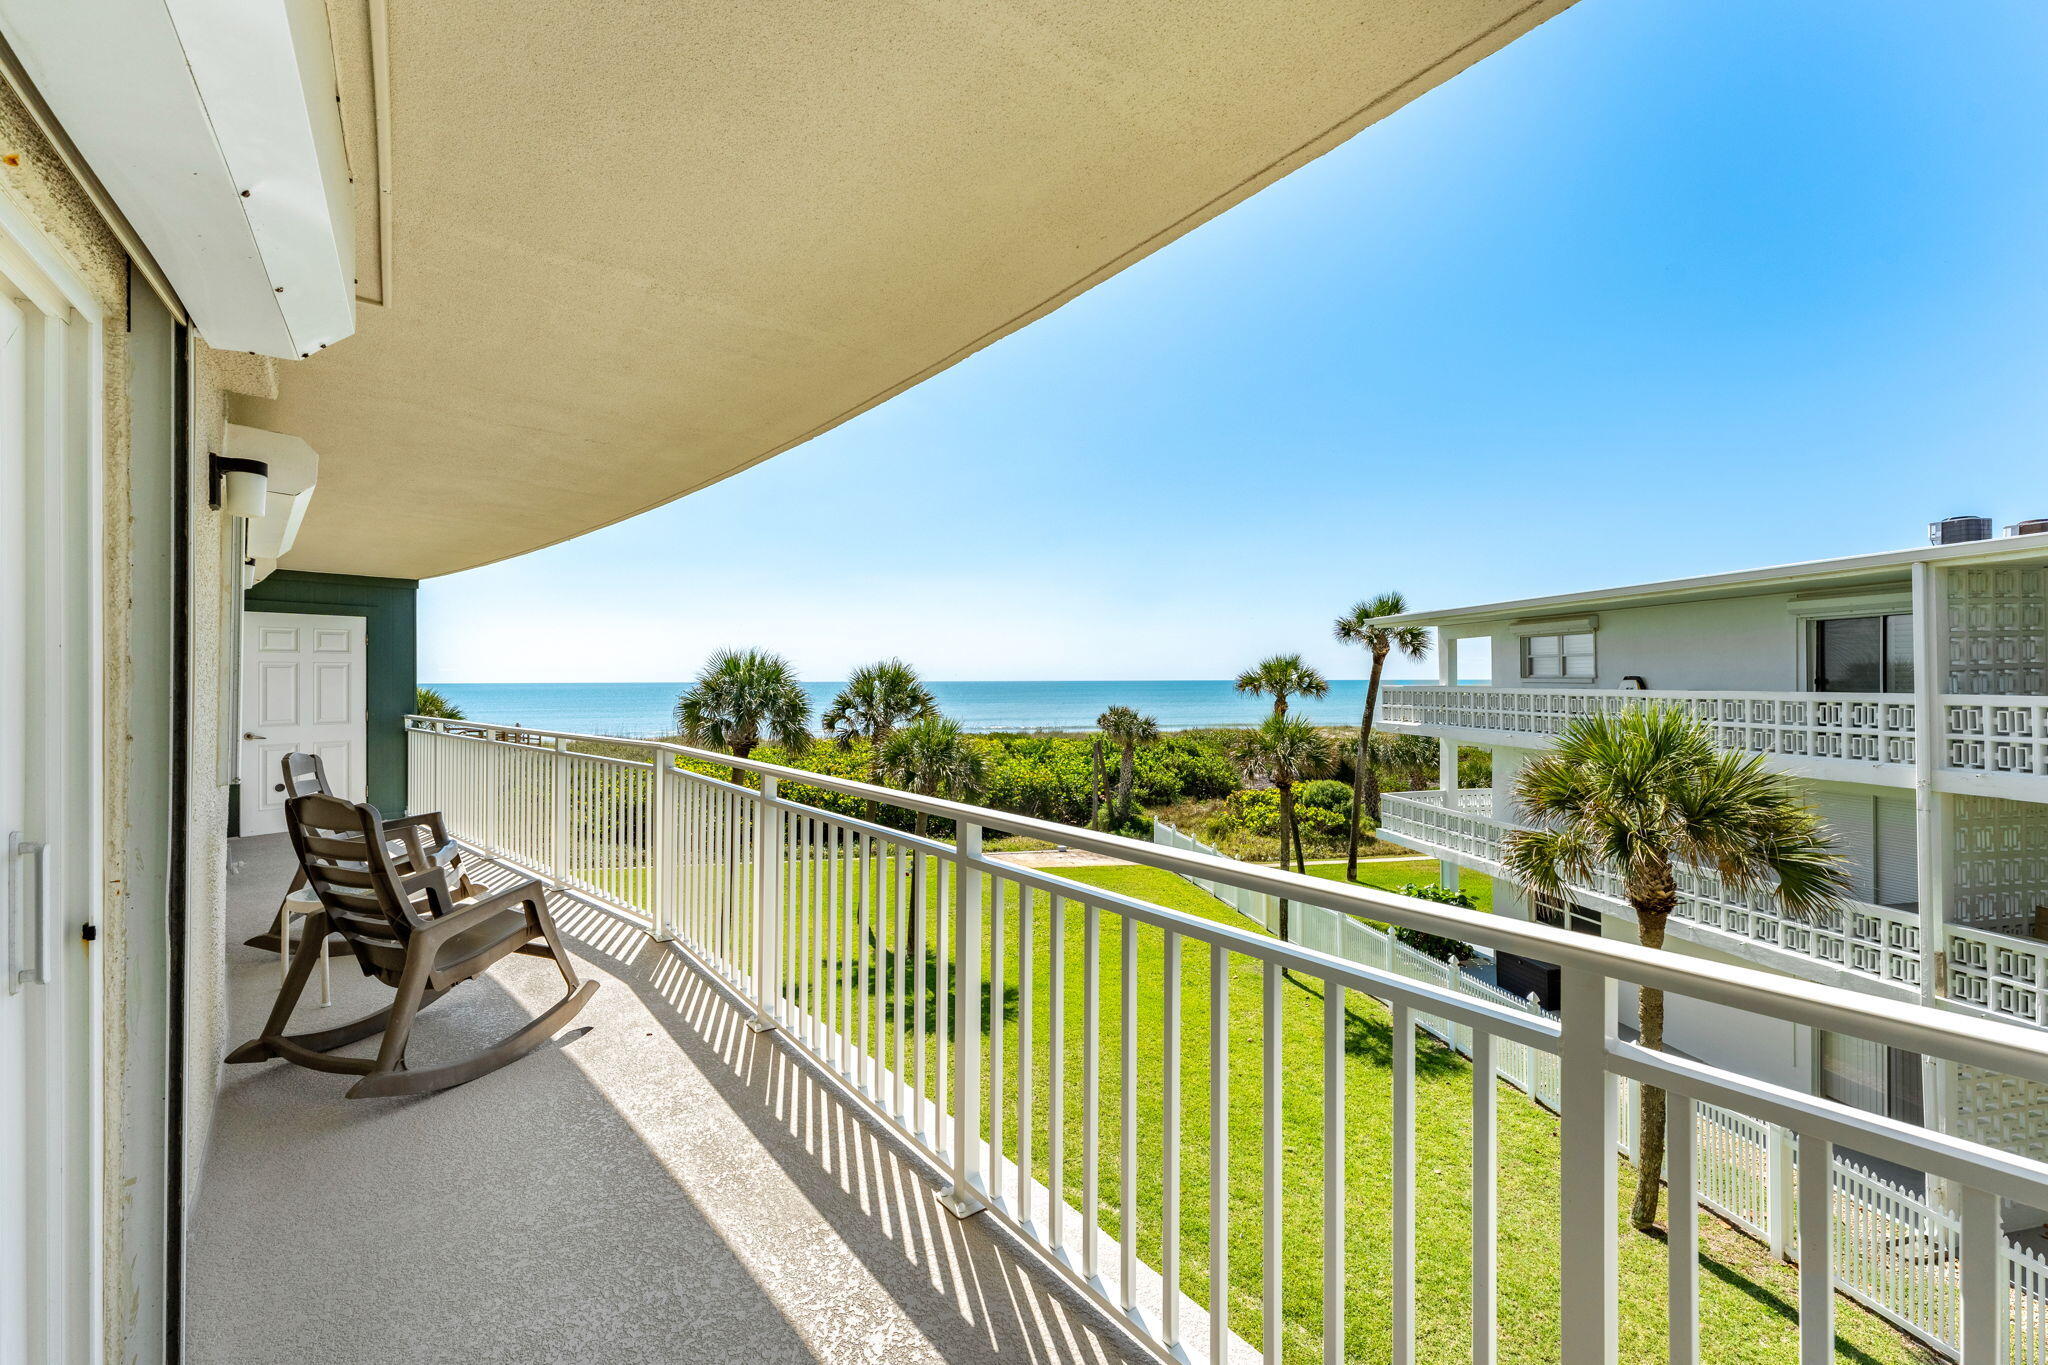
(767, 902)
(1589, 1323)
(965, 1195)
(559, 844)
(1778, 1192)
(660, 849)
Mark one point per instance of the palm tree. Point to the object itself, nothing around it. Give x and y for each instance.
(1284, 751)
(1361, 626)
(742, 698)
(933, 757)
(1128, 730)
(1280, 677)
(1095, 784)
(1641, 794)
(877, 698)
(433, 703)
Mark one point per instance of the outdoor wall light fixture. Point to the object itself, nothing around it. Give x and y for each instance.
(241, 488)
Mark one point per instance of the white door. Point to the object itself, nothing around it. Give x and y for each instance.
(303, 680)
(21, 912)
(49, 844)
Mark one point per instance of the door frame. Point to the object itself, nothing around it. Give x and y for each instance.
(256, 777)
(64, 1017)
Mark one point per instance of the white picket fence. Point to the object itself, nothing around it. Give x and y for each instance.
(1894, 1252)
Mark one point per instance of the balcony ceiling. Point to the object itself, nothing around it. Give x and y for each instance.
(637, 247)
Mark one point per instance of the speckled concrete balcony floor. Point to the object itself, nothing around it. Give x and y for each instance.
(668, 1187)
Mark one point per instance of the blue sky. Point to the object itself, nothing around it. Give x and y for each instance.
(1663, 288)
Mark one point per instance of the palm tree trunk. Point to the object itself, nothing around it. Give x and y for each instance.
(739, 779)
(1287, 830)
(872, 807)
(1372, 702)
(1095, 776)
(1358, 768)
(1127, 774)
(1650, 922)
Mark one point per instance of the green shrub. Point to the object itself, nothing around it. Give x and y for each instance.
(1324, 794)
(1254, 812)
(1436, 945)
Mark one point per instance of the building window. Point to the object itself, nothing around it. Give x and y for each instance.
(1863, 653)
(1557, 656)
(1560, 914)
(1871, 1077)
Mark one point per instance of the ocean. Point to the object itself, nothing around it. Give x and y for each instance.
(647, 709)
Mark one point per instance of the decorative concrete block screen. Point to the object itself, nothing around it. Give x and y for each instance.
(1996, 617)
(1999, 863)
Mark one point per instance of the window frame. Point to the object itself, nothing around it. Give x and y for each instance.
(1888, 620)
(1563, 656)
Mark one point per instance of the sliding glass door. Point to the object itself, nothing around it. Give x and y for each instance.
(1863, 653)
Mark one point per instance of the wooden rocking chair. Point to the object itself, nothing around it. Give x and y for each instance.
(306, 775)
(409, 930)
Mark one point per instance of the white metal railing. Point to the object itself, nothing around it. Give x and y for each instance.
(1986, 970)
(1876, 941)
(1854, 727)
(1893, 1250)
(816, 918)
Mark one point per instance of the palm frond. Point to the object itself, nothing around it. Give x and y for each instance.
(739, 696)
(1644, 792)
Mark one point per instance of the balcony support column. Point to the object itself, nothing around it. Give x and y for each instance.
(1931, 845)
(1447, 749)
(1932, 842)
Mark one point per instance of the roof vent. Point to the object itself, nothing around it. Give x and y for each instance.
(1958, 530)
(2028, 528)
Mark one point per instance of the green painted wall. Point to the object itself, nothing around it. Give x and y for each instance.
(389, 608)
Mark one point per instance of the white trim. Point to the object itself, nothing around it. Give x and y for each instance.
(1555, 625)
(1747, 582)
(214, 125)
(1860, 604)
(74, 165)
(67, 456)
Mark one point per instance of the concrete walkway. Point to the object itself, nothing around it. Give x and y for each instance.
(1059, 857)
(669, 1187)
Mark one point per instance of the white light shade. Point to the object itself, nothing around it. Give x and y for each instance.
(294, 466)
(244, 493)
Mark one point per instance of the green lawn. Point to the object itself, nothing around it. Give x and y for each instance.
(1748, 1303)
(1393, 874)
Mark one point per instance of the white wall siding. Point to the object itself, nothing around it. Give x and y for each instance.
(1738, 643)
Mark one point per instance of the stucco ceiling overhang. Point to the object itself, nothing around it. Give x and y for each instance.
(637, 246)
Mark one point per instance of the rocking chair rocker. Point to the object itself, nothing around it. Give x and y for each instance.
(409, 930)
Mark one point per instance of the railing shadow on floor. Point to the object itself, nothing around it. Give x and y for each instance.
(970, 1273)
(390, 1229)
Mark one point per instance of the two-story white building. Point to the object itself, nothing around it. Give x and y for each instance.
(1908, 689)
